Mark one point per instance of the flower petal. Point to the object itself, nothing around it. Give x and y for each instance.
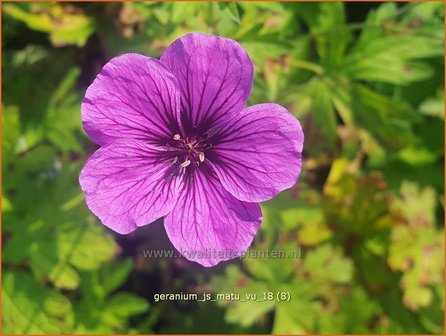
(215, 75)
(127, 184)
(208, 225)
(132, 97)
(259, 153)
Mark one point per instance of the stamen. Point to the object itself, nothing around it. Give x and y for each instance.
(201, 156)
(185, 164)
(176, 137)
(175, 159)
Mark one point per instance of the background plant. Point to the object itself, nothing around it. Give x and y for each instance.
(366, 80)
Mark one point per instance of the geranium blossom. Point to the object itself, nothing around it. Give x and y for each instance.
(177, 142)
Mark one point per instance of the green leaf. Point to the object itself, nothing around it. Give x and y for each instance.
(264, 21)
(265, 49)
(376, 19)
(388, 120)
(54, 251)
(434, 106)
(321, 126)
(285, 321)
(114, 274)
(355, 206)
(243, 311)
(30, 308)
(108, 278)
(10, 136)
(302, 213)
(389, 59)
(326, 263)
(369, 259)
(206, 319)
(6, 204)
(180, 12)
(62, 119)
(273, 269)
(417, 246)
(418, 206)
(47, 266)
(29, 55)
(51, 226)
(425, 18)
(233, 9)
(354, 315)
(298, 315)
(64, 27)
(399, 318)
(123, 305)
(314, 233)
(432, 317)
(417, 155)
(326, 21)
(28, 175)
(11, 129)
(86, 247)
(100, 311)
(51, 110)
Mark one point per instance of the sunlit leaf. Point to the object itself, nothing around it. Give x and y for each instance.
(233, 9)
(417, 246)
(388, 59)
(30, 308)
(63, 26)
(324, 263)
(121, 306)
(434, 106)
(247, 309)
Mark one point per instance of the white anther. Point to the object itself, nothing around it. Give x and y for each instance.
(185, 164)
(176, 137)
(201, 156)
(175, 159)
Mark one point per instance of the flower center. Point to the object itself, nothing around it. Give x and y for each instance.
(190, 150)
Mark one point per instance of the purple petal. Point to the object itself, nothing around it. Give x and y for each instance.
(127, 184)
(132, 97)
(260, 153)
(215, 75)
(208, 225)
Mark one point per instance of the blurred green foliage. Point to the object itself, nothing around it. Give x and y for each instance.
(366, 81)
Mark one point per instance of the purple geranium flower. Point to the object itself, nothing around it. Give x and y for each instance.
(178, 143)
